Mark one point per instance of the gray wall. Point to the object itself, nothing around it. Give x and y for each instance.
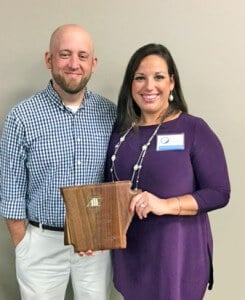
(207, 41)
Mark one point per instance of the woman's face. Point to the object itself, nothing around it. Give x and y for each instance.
(151, 87)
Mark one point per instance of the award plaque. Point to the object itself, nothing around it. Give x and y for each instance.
(97, 215)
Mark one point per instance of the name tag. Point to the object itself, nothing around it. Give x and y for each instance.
(167, 142)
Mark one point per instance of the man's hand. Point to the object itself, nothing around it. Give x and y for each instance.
(17, 230)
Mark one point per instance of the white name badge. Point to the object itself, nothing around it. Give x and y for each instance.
(167, 142)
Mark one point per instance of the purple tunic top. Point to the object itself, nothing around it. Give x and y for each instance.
(170, 257)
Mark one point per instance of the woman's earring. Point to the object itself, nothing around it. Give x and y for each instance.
(171, 96)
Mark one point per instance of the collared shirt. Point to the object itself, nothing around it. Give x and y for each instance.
(46, 146)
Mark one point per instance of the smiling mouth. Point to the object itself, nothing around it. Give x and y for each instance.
(72, 74)
(149, 98)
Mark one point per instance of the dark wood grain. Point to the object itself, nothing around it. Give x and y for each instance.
(97, 215)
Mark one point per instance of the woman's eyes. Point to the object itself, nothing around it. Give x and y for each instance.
(159, 77)
(141, 78)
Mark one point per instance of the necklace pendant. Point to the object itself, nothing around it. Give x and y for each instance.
(136, 167)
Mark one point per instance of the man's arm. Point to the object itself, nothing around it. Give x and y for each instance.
(17, 229)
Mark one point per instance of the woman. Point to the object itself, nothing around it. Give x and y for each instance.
(178, 163)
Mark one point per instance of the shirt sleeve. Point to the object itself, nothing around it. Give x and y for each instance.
(210, 169)
(13, 174)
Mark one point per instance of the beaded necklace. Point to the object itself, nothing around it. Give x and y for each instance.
(138, 165)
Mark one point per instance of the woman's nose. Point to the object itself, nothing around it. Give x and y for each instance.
(149, 84)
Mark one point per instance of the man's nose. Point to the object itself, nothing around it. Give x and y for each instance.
(74, 62)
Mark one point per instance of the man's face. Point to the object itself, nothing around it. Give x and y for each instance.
(71, 61)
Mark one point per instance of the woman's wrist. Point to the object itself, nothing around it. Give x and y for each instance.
(179, 205)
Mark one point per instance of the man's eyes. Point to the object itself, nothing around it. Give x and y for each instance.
(83, 56)
(65, 55)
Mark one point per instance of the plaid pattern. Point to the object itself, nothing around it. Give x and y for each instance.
(44, 146)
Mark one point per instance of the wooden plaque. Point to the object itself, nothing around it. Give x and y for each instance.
(97, 215)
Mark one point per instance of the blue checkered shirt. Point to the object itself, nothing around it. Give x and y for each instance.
(45, 146)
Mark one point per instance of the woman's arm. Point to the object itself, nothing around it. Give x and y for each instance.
(145, 202)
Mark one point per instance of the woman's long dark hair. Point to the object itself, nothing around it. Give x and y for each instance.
(127, 109)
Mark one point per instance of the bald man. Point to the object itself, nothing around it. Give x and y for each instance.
(58, 137)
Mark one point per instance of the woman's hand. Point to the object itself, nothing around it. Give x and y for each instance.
(145, 202)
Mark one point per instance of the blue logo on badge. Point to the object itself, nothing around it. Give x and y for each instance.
(164, 140)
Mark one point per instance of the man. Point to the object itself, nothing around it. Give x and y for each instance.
(56, 138)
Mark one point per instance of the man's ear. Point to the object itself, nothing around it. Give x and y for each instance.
(94, 64)
(48, 60)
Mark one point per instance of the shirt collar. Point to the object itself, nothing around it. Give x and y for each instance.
(55, 98)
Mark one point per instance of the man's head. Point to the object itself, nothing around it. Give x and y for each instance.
(70, 59)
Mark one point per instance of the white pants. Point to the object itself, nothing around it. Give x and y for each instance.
(44, 265)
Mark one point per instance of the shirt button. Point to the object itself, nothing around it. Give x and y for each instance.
(79, 140)
(78, 162)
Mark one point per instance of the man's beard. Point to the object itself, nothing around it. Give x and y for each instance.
(71, 87)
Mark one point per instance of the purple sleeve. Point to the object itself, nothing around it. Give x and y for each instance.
(210, 168)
